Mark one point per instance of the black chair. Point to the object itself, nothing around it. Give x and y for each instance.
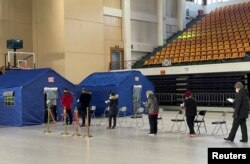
(221, 121)
(199, 121)
(177, 121)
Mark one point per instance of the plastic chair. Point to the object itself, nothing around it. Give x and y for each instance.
(138, 115)
(122, 114)
(219, 124)
(104, 115)
(199, 120)
(177, 122)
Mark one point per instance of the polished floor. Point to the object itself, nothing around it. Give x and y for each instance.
(123, 145)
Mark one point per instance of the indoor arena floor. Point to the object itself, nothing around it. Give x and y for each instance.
(123, 145)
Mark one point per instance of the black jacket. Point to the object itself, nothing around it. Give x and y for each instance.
(241, 104)
(113, 105)
(190, 106)
(84, 100)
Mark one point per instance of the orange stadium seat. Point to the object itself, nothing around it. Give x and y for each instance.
(222, 34)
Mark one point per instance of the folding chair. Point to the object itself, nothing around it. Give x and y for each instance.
(199, 120)
(92, 112)
(122, 114)
(177, 121)
(138, 115)
(160, 118)
(104, 115)
(219, 124)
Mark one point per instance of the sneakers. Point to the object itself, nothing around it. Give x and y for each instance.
(243, 141)
(228, 140)
(151, 134)
(192, 135)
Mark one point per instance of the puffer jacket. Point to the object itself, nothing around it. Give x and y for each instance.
(152, 105)
(113, 105)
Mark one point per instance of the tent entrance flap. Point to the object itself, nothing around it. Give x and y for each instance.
(50, 101)
(137, 90)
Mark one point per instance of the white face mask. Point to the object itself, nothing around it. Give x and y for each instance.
(147, 96)
(237, 90)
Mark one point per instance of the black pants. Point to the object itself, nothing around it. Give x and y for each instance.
(69, 119)
(110, 120)
(236, 123)
(190, 123)
(84, 115)
(153, 123)
(53, 111)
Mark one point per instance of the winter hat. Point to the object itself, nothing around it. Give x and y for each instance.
(188, 94)
(238, 85)
(66, 90)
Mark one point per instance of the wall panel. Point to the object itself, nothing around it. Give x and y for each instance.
(80, 65)
(87, 10)
(83, 37)
(112, 3)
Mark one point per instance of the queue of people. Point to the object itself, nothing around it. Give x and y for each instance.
(240, 105)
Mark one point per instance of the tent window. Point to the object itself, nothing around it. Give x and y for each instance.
(9, 98)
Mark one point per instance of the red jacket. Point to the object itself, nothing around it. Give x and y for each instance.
(67, 100)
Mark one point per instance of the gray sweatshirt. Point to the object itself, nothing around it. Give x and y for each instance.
(152, 105)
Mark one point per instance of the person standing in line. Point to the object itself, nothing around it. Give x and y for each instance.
(241, 109)
(113, 109)
(190, 106)
(67, 100)
(84, 100)
(153, 110)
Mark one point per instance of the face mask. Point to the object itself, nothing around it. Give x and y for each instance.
(147, 96)
(236, 90)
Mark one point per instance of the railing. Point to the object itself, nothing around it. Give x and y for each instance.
(121, 65)
(219, 99)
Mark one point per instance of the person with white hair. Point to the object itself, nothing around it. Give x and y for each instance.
(153, 110)
(241, 107)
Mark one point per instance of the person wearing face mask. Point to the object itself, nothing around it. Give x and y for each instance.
(153, 110)
(241, 107)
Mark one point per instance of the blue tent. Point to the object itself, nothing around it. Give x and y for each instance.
(101, 83)
(22, 95)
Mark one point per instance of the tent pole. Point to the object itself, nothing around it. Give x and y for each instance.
(48, 122)
(88, 134)
(76, 122)
(65, 133)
